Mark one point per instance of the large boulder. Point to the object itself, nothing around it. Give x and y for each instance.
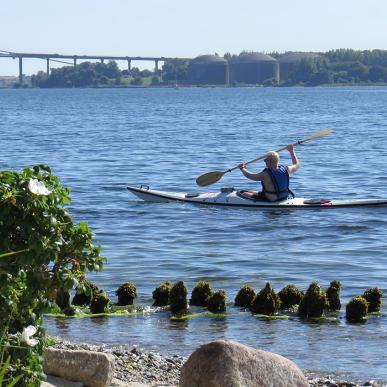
(227, 363)
(94, 369)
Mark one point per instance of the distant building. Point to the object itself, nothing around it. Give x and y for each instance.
(8, 81)
(208, 70)
(289, 60)
(254, 68)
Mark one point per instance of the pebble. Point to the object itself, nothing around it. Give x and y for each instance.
(136, 367)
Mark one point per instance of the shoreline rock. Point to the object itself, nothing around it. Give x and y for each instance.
(135, 367)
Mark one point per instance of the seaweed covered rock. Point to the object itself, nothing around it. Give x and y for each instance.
(333, 296)
(216, 303)
(62, 298)
(313, 303)
(84, 293)
(200, 293)
(245, 296)
(99, 303)
(374, 298)
(266, 301)
(126, 293)
(161, 294)
(178, 297)
(357, 309)
(290, 295)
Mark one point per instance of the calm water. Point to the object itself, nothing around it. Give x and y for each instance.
(99, 141)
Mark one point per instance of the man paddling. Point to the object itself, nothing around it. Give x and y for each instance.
(274, 178)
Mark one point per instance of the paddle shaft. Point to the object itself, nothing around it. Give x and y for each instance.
(212, 177)
(281, 149)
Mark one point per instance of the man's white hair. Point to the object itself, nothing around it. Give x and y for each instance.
(273, 156)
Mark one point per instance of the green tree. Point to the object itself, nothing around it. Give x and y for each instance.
(358, 70)
(303, 71)
(321, 77)
(377, 73)
(175, 71)
(41, 252)
(137, 81)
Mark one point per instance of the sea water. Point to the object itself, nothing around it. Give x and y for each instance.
(98, 141)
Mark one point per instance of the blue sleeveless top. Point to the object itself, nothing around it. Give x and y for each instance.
(280, 180)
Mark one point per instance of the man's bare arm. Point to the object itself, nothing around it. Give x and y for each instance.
(295, 162)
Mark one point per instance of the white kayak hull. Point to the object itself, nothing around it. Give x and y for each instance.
(233, 198)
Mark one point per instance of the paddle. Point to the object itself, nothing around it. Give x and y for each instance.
(212, 177)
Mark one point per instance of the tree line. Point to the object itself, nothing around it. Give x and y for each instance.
(341, 66)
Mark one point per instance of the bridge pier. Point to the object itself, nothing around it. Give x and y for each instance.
(48, 67)
(129, 66)
(75, 61)
(20, 69)
(156, 68)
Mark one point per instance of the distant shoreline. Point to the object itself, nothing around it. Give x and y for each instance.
(203, 86)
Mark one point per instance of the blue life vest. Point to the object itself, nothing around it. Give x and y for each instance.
(280, 180)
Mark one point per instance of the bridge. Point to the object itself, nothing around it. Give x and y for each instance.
(76, 58)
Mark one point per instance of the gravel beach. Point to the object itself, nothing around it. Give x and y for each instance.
(135, 367)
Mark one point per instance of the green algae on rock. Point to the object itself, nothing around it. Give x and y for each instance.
(333, 296)
(126, 293)
(178, 297)
(266, 301)
(200, 293)
(189, 316)
(272, 317)
(313, 303)
(290, 296)
(245, 296)
(217, 302)
(373, 297)
(161, 294)
(357, 309)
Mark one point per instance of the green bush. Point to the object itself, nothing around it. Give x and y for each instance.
(200, 293)
(161, 294)
(245, 296)
(41, 251)
(216, 303)
(126, 293)
(266, 301)
(290, 295)
(374, 298)
(357, 309)
(178, 297)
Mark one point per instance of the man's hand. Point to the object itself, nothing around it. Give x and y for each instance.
(242, 165)
(290, 148)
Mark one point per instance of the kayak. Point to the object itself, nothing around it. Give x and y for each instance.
(234, 198)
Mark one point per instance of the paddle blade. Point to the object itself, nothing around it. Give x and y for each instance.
(209, 178)
(321, 133)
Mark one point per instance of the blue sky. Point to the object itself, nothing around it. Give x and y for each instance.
(185, 28)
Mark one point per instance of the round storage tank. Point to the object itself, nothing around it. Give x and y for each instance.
(208, 70)
(254, 68)
(289, 60)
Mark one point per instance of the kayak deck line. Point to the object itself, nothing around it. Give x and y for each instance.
(232, 198)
